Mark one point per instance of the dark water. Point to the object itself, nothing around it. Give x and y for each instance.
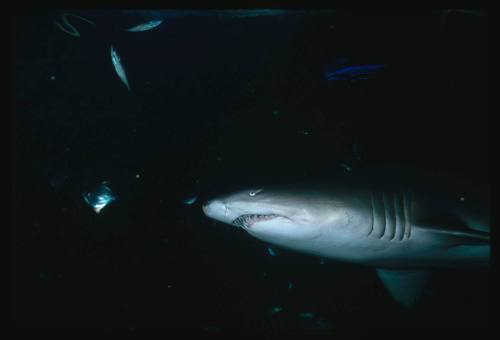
(220, 102)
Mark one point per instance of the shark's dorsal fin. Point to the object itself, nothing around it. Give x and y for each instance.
(405, 286)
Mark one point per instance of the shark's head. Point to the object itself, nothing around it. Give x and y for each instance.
(276, 215)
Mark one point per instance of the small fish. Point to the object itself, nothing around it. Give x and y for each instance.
(272, 252)
(306, 315)
(99, 196)
(145, 26)
(276, 309)
(352, 72)
(304, 132)
(346, 166)
(71, 30)
(115, 58)
(190, 200)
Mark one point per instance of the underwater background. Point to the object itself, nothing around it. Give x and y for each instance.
(219, 101)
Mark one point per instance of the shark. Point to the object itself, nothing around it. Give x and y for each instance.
(403, 226)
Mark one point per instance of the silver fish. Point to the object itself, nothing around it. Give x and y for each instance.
(99, 196)
(115, 58)
(145, 26)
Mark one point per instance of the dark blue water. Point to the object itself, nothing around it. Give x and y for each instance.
(220, 102)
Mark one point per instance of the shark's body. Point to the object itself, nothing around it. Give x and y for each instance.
(401, 226)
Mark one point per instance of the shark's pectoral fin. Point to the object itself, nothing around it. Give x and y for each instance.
(405, 286)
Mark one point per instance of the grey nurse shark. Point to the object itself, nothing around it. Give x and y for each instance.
(403, 224)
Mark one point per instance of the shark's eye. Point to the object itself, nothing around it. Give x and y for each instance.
(254, 192)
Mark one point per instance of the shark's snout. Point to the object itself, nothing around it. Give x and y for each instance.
(214, 208)
(205, 206)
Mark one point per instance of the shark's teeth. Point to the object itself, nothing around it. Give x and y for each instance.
(246, 221)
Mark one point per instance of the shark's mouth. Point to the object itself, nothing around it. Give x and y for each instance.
(246, 221)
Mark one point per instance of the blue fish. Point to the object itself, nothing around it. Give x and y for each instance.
(351, 72)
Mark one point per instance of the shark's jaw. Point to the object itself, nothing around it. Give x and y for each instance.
(255, 217)
(271, 219)
(247, 220)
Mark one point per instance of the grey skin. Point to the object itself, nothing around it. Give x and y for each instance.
(403, 226)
